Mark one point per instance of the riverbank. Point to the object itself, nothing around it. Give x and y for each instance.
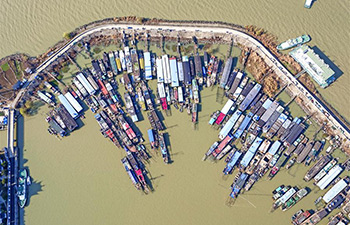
(32, 26)
(212, 32)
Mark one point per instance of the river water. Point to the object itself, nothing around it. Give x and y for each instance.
(80, 180)
(32, 26)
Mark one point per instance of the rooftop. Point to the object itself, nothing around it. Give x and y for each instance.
(314, 65)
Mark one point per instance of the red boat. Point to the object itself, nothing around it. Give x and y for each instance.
(211, 64)
(74, 94)
(222, 145)
(220, 118)
(102, 87)
(194, 113)
(164, 103)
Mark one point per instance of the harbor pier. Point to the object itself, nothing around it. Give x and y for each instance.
(12, 160)
(211, 30)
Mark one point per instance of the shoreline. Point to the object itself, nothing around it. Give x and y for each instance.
(234, 32)
(157, 31)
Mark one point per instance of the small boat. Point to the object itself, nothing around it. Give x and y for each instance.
(238, 185)
(213, 117)
(163, 148)
(223, 152)
(278, 189)
(211, 149)
(308, 4)
(141, 99)
(295, 199)
(231, 164)
(230, 155)
(281, 192)
(291, 163)
(294, 42)
(295, 215)
(194, 113)
(284, 198)
(251, 181)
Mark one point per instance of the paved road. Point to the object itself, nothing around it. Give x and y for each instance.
(242, 37)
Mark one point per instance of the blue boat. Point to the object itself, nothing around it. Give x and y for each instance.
(238, 185)
(204, 71)
(229, 167)
(163, 148)
(243, 125)
(131, 173)
(151, 138)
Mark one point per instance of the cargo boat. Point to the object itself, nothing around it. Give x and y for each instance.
(222, 145)
(129, 170)
(211, 149)
(284, 198)
(163, 148)
(151, 138)
(311, 173)
(238, 185)
(130, 107)
(223, 152)
(295, 199)
(278, 189)
(22, 185)
(280, 192)
(277, 166)
(138, 170)
(213, 117)
(301, 217)
(291, 162)
(251, 181)
(294, 42)
(194, 113)
(325, 170)
(301, 157)
(232, 162)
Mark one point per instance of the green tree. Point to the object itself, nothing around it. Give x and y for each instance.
(67, 35)
(28, 104)
(23, 111)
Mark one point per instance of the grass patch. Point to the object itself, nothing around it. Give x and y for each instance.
(18, 70)
(65, 69)
(5, 67)
(54, 83)
(59, 77)
(289, 68)
(97, 50)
